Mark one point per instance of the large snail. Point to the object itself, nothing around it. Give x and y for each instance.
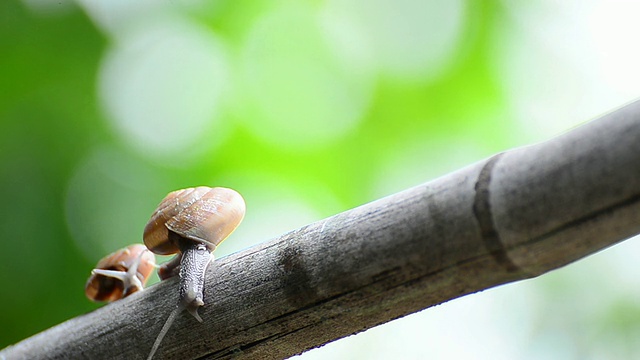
(192, 223)
(120, 274)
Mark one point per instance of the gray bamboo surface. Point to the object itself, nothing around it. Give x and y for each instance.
(513, 216)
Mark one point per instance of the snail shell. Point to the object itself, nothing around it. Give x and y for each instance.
(202, 214)
(191, 222)
(130, 269)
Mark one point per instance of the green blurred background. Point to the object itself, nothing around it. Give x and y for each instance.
(308, 108)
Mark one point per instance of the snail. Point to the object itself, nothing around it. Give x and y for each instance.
(192, 223)
(120, 274)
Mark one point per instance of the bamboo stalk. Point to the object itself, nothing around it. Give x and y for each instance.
(513, 216)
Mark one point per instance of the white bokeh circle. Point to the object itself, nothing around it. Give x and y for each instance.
(162, 87)
(109, 199)
(563, 63)
(412, 40)
(305, 88)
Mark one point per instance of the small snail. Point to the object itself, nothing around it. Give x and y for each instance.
(192, 223)
(120, 274)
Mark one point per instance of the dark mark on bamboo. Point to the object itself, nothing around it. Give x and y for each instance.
(297, 281)
(482, 212)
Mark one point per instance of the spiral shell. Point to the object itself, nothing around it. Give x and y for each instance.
(202, 214)
(108, 288)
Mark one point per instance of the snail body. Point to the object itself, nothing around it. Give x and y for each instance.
(120, 274)
(191, 223)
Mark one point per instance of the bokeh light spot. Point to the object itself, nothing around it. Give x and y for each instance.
(306, 90)
(162, 88)
(412, 39)
(555, 75)
(108, 202)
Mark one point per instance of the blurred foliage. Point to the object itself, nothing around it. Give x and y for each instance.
(306, 108)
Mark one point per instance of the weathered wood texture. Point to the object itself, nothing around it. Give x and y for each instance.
(513, 216)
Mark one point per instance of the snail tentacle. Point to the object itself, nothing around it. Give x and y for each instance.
(120, 274)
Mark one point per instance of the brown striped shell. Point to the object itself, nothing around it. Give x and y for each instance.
(107, 288)
(203, 214)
